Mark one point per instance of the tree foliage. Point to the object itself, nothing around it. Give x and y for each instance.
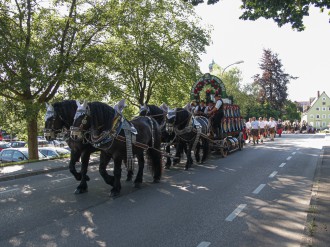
(272, 84)
(282, 12)
(155, 57)
(40, 43)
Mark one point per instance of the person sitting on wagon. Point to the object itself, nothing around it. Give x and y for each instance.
(216, 115)
(200, 109)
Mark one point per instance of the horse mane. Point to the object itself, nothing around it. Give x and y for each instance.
(102, 116)
(66, 110)
(157, 113)
(182, 116)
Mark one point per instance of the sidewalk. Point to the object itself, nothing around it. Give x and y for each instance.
(41, 167)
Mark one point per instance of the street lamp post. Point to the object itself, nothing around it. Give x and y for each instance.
(238, 62)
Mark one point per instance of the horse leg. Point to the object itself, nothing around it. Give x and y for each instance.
(117, 175)
(104, 161)
(168, 161)
(129, 175)
(74, 158)
(82, 187)
(205, 150)
(197, 156)
(139, 176)
(189, 159)
(156, 164)
(177, 153)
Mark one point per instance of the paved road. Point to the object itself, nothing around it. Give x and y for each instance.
(256, 197)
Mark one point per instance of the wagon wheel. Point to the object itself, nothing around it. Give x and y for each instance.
(224, 149)
(240, 141)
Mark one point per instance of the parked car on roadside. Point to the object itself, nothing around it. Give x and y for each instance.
(54, 152)
(16, 154)
(4, 145)
(18, 144)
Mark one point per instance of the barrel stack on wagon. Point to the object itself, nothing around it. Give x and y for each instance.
(232, 124)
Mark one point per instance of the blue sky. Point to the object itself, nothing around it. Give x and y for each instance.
(303, 54)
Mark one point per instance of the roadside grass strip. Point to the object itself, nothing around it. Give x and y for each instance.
(235, 213)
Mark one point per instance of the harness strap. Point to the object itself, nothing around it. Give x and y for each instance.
(129, 138)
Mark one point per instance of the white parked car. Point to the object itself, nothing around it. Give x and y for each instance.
(54, 152)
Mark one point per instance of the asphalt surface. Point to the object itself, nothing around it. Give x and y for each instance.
(318, 219)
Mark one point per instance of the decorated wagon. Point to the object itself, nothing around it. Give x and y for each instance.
(232, 124)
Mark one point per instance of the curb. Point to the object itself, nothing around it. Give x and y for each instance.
(38, 172)
(310, 225)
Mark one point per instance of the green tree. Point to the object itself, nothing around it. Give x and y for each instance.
(40, 44)
(272, 84)
(156, 56)
(282, 12)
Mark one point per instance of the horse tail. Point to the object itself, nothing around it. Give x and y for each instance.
(153, 152)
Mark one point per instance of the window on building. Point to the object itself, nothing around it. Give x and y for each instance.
(323, 103)
(324, 124)
(312, 116)
(323, 98)
(324, 116)
(324, 109)
(317, 116)
(329, 116)
(317, 124)
(317, 108)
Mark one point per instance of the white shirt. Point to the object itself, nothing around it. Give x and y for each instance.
(272, 124)
(218, 104)
(248, 125)
(262, 124)
(255, 125)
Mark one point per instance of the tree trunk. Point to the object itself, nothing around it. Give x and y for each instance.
(32, 128)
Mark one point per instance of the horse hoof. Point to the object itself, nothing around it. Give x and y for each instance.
(156, 181)
(80, 191)
(114, 194)
(167, 167)
(137, 185)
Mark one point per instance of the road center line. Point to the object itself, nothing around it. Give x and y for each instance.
(6, 191)
(282, 165)
(204, 244)
(293, 153)
(235, 213)
(273, 174)
(289, 158)
(257, 190)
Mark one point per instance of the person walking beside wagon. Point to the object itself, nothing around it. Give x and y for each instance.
(262, 125)
(255, 130)
(248, 129)
(272, 126)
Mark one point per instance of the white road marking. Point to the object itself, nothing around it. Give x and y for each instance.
(289, 158)
(293, 153)
(282, 165)
(6, 191)
(257, 190)
(235, 213)
(273, 174)
(204, 244)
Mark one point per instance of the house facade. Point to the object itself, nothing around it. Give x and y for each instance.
(318, 115)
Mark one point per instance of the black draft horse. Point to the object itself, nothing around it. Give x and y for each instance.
(159, 114)
(186, 127)
(58, 120)
(106, 127)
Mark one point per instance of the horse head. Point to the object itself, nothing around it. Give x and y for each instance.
(144, 110)
(81, 122)
(170, 120)
(58, 118)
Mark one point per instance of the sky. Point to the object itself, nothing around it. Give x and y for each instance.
(305, 54)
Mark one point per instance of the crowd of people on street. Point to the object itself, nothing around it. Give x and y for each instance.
(258, 129)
